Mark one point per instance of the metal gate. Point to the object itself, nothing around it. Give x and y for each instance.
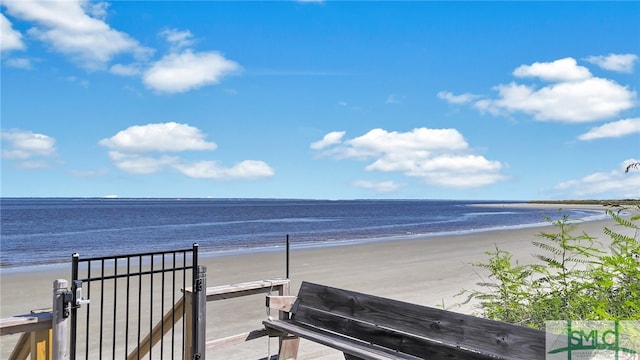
(134, 306)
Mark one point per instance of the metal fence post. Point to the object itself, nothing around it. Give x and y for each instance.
(59, 324)
(199, 324)
(75, 259)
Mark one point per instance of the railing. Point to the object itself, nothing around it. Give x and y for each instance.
(36, 338)
(44, 332)
(215, 293)
(39, 339)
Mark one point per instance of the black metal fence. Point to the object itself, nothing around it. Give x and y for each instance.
(124, 305)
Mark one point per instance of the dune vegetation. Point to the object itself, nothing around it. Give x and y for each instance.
(573, 277)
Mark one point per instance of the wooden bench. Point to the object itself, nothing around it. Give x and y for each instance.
(367, 327)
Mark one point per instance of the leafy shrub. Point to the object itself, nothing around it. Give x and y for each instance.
(575, 278)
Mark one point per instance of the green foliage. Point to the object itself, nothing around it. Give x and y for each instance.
(574, 278)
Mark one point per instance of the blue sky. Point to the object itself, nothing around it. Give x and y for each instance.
(326, 100)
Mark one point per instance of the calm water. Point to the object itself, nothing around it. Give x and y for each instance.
(42, 231)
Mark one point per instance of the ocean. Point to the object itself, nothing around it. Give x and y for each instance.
(47, 231)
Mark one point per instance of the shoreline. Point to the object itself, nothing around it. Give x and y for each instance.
(541, 205)
(455, 243)
(55, 266)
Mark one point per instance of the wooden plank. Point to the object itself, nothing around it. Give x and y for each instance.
(404, 343)
(159, 330)
(26, 323)
(280, 303)
(243, 289)
(22, 349)
(344, 344)
(288, 347)
(236, 339)
(188, 324)
(476, 334)
(41, 342)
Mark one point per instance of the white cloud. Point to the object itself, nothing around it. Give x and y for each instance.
(137, 164)
(24, 144)
(437, 156)
(615, 62)
(10, 39)
(614, 129)
(163, 137)
(33, 164)
(141, 149)
(456, 99)
(176, 73)
(19, 63)
(177, 38)
(457, 171)
(421, 140)
(587, 100)
(76, 28)
(565, 69)
(97, 10)
(27, 148)
(612, 184)
(125, 70)
(381, 186)
(247, 169)
(573, 96)
(183, 69)
(331, 138)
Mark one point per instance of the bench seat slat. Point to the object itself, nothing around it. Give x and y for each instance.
(410, 344)
(350, 346)
(485, 336)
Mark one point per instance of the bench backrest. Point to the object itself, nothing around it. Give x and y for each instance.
(413, 329)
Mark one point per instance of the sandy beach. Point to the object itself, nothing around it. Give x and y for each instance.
(428, 271)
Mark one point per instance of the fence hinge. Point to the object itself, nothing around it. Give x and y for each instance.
(196, 356)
